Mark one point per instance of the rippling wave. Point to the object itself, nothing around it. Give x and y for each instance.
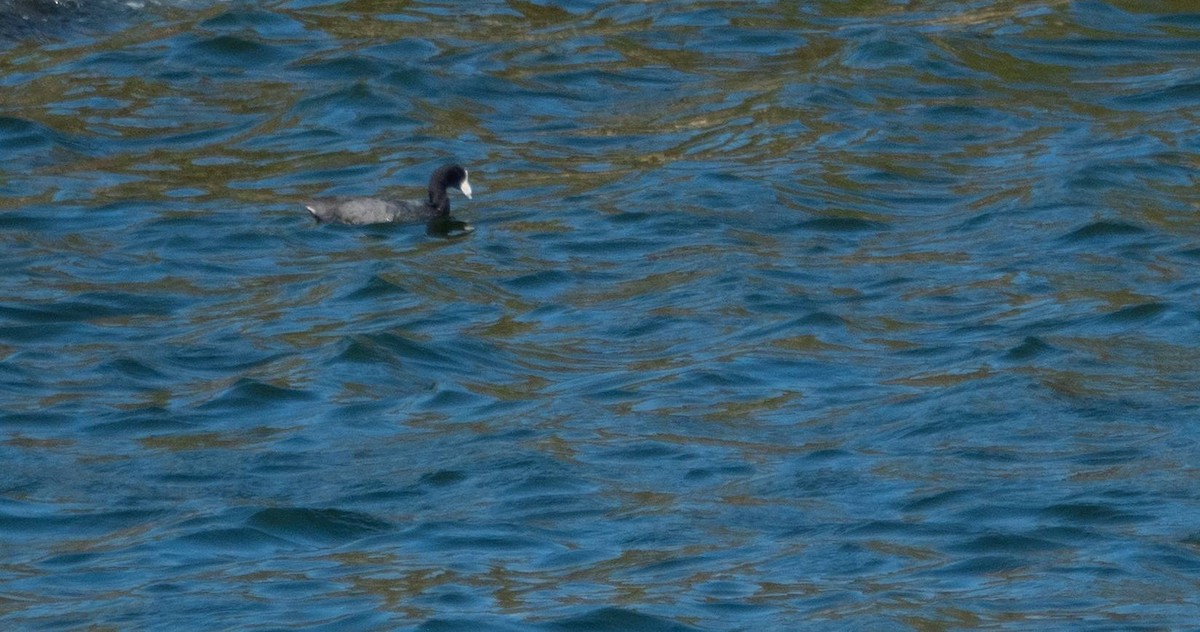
(871, 315)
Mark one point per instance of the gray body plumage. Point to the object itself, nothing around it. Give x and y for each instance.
(370, 210)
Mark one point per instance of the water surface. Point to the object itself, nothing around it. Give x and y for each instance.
(777, 316)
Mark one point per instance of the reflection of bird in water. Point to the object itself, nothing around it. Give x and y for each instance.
(37, 19)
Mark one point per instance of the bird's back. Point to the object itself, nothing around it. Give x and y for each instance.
(368, 210)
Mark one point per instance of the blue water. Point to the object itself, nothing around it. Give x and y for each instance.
(777, 316)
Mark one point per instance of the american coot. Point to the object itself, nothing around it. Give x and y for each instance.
(435, 210)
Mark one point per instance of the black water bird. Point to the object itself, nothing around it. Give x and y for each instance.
(434, 210)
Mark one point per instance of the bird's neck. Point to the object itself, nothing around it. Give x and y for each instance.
(439, 201)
